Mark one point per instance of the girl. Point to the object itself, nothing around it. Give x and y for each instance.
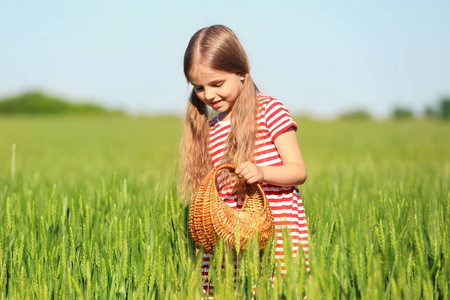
(251, 130)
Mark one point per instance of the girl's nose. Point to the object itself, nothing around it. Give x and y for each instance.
(209, 94)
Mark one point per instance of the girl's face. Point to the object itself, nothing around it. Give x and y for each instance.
(218, 89)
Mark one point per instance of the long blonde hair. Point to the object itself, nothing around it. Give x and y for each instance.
(217, 47)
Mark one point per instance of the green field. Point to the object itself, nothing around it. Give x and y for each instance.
(89, 208)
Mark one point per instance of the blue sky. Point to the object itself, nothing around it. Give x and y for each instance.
(319, 58)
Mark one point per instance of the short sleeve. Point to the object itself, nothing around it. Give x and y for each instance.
(278, 118)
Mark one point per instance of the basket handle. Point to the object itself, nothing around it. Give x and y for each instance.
(226, 166)
(233, 168)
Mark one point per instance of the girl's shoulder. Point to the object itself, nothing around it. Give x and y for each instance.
(275, 116)
(269, 103)
(263, 98)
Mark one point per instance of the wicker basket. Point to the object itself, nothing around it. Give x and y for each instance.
(210, 218)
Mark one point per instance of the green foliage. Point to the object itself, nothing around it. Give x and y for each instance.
(402, 113)
(430, 113)
(91, 210)
(39, 103)
(442, 111)
(357, 115)
(445, 108)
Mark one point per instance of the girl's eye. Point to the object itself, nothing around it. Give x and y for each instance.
(198, 88)
(218, 84)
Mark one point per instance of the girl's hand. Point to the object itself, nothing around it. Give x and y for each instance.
(250, 172)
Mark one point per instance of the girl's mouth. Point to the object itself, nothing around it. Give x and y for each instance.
(217, 104)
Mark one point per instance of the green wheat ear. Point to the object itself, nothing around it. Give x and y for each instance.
(13, 161)
(238, 240)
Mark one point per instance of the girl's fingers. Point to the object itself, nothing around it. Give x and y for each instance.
(239, 169)
(250, 181)
(249, 177)
(248, 171)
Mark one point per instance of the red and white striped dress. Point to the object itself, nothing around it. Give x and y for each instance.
(286, 204)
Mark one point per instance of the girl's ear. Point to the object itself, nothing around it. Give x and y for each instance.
(242, 77)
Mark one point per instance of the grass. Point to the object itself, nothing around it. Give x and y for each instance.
(89, 208)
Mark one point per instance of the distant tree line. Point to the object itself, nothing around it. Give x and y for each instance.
(34, 103)
(441, 111)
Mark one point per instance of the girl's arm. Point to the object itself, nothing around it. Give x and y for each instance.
(292, 172)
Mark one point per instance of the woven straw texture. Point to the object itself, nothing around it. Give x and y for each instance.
(210, 218)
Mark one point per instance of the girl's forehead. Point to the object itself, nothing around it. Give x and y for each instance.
(202, 74)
